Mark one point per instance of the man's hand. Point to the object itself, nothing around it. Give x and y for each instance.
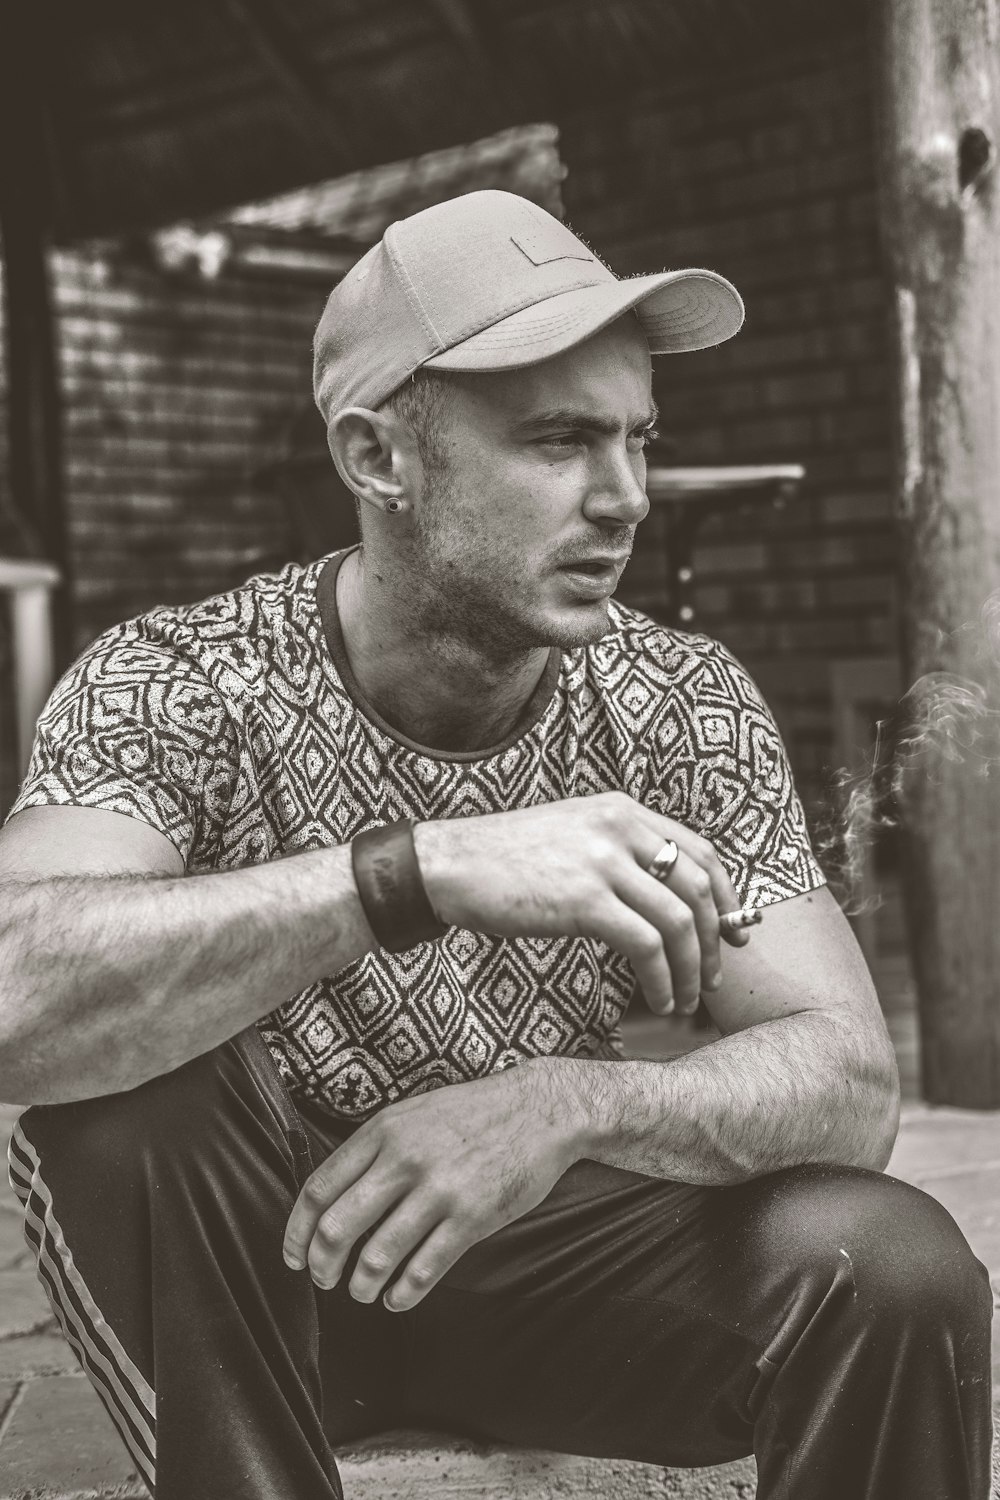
(435, 1174)
(579, 868)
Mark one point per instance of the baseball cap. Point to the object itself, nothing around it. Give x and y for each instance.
(489, 281)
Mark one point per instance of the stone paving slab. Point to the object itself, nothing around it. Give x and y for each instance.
(10, 1206)
(15, 1253)
(936, 1139)
(37, 1354)
(24, 1307)
(58, 1441)
(12, 1246)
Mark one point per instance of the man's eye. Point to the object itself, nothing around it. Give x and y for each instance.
(648, 435)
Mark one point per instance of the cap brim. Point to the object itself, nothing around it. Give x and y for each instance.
(678, 311)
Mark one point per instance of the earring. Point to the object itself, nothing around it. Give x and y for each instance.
(394, 505)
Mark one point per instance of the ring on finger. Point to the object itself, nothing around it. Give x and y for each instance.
(661, 868)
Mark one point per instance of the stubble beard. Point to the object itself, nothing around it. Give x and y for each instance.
(467, 597)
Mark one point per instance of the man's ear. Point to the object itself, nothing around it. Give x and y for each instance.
(374, 454)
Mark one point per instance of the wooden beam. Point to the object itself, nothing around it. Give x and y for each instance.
(939, 75)
(279, 47)
(33, 397)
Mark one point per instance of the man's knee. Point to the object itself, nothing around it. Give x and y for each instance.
(205, 1143)
(897, 1249)
(123, 1131)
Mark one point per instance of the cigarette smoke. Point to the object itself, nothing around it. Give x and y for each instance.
(943, 717)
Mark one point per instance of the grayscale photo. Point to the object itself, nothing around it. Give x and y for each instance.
(500, 749)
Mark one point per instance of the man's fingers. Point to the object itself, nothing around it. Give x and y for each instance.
(736, 937)
(702, 853)
(388, 1248)
(426, 1266)
(723, 890)
(683, 950)
(688, 881)
(642, 944)
(324, 1186)
(678, 927)
(345, 1222)
(696, 848)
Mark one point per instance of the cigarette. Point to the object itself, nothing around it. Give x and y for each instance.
(733, 921)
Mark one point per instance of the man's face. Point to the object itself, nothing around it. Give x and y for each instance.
(541, 467)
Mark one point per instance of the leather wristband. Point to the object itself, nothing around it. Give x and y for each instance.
(392, 891)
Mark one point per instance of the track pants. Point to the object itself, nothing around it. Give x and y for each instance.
(832, 1321)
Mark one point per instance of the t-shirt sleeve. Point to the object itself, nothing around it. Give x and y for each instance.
(721, 768)
(134, 727)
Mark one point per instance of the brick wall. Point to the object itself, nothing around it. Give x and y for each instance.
(766, 173)
(179, 393)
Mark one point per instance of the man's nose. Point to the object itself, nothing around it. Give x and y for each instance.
(619, 489)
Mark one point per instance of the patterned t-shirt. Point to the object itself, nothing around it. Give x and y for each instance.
(236, 727)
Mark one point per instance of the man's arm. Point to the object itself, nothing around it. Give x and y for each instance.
(804, 1071)
(116, 967)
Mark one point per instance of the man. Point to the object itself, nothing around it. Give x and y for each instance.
(322, 902)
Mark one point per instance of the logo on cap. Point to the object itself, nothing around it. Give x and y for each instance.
(541, 246)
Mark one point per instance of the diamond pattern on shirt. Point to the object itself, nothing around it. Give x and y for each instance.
(227, 726)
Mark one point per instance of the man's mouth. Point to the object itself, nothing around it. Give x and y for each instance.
(592, 575)
(595, 567)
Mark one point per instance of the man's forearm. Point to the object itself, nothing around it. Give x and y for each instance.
(799, 1089)
(108, 981)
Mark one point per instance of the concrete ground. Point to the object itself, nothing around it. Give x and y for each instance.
(55, 1440)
